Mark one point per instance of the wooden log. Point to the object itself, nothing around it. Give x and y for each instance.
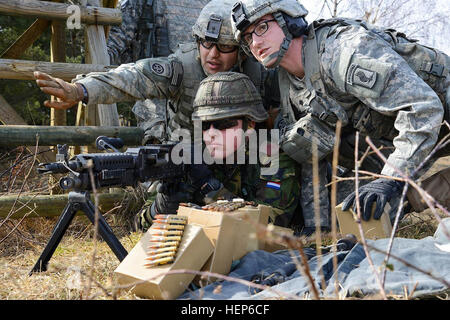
(109, 4)
(9, 116)
(16, 50)
(51, 205)
(96, 53)
(59, 11)
(23, 70)
(57, 54)
(30, 35)
(22, 135)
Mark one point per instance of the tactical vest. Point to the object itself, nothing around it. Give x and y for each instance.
(428, 63)
(182, 106)
(165, 24)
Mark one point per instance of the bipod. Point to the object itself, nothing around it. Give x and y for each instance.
(78, 200)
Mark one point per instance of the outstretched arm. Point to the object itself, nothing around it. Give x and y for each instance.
(68, 94)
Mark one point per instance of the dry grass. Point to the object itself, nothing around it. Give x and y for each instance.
(70, 268)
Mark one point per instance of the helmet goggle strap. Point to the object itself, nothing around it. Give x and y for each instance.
(284, 45)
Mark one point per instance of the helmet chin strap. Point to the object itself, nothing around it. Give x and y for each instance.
(284, 45)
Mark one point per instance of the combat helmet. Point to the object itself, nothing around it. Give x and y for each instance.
(214, 24)
(289, 15)
(228, 95)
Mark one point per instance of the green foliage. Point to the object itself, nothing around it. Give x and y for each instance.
(25, 96)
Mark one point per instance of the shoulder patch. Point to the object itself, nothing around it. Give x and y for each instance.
(161, 69)
(360, 76)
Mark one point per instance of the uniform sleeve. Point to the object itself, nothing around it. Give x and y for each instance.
(307, 195)
(357, 63)
(145, 79)
(122, 37)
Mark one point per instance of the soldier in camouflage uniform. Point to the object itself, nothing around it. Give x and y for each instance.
(226, 102)
(151, 28)
(175, 78)
(374, 81)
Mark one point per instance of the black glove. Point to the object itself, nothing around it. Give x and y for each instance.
(379, 191)
(203, 179)
(169, 197)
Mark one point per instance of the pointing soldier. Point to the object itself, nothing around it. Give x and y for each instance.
(175, 78)
(151, 28)
(373, 81)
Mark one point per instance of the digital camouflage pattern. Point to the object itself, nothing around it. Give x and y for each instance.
(175, 105)
(384, 97)
(176, 78)
(372, 85)
(255, 9)
(230, 95)
(221, 9)
(151, 28)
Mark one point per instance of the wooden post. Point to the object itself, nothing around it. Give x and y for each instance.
(16, 50)
(59, 11)
(57, 54)
(96, 53)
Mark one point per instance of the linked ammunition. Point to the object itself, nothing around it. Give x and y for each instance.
(163, 244)
(171, 221)
(161, 255)
(162, 226)
(170, 217)
(160, 261)
(224, 206)
(166, 249)
(165, 239)
(168, 233)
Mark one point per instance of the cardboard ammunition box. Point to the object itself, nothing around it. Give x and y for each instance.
(233, 234)
(151, 282)
(373, 229)
(272, 246)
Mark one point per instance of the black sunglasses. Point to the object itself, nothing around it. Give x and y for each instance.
(219, 124)
(223, 48)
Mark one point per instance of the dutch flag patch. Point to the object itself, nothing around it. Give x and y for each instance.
(273, 185)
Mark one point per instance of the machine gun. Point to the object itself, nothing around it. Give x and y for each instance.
(113, 169)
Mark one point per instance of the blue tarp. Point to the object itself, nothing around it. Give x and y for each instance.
(354, 273)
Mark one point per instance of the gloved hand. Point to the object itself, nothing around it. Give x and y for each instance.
(69, 94)
(203, 179)
(379, 191)
(169, 197)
